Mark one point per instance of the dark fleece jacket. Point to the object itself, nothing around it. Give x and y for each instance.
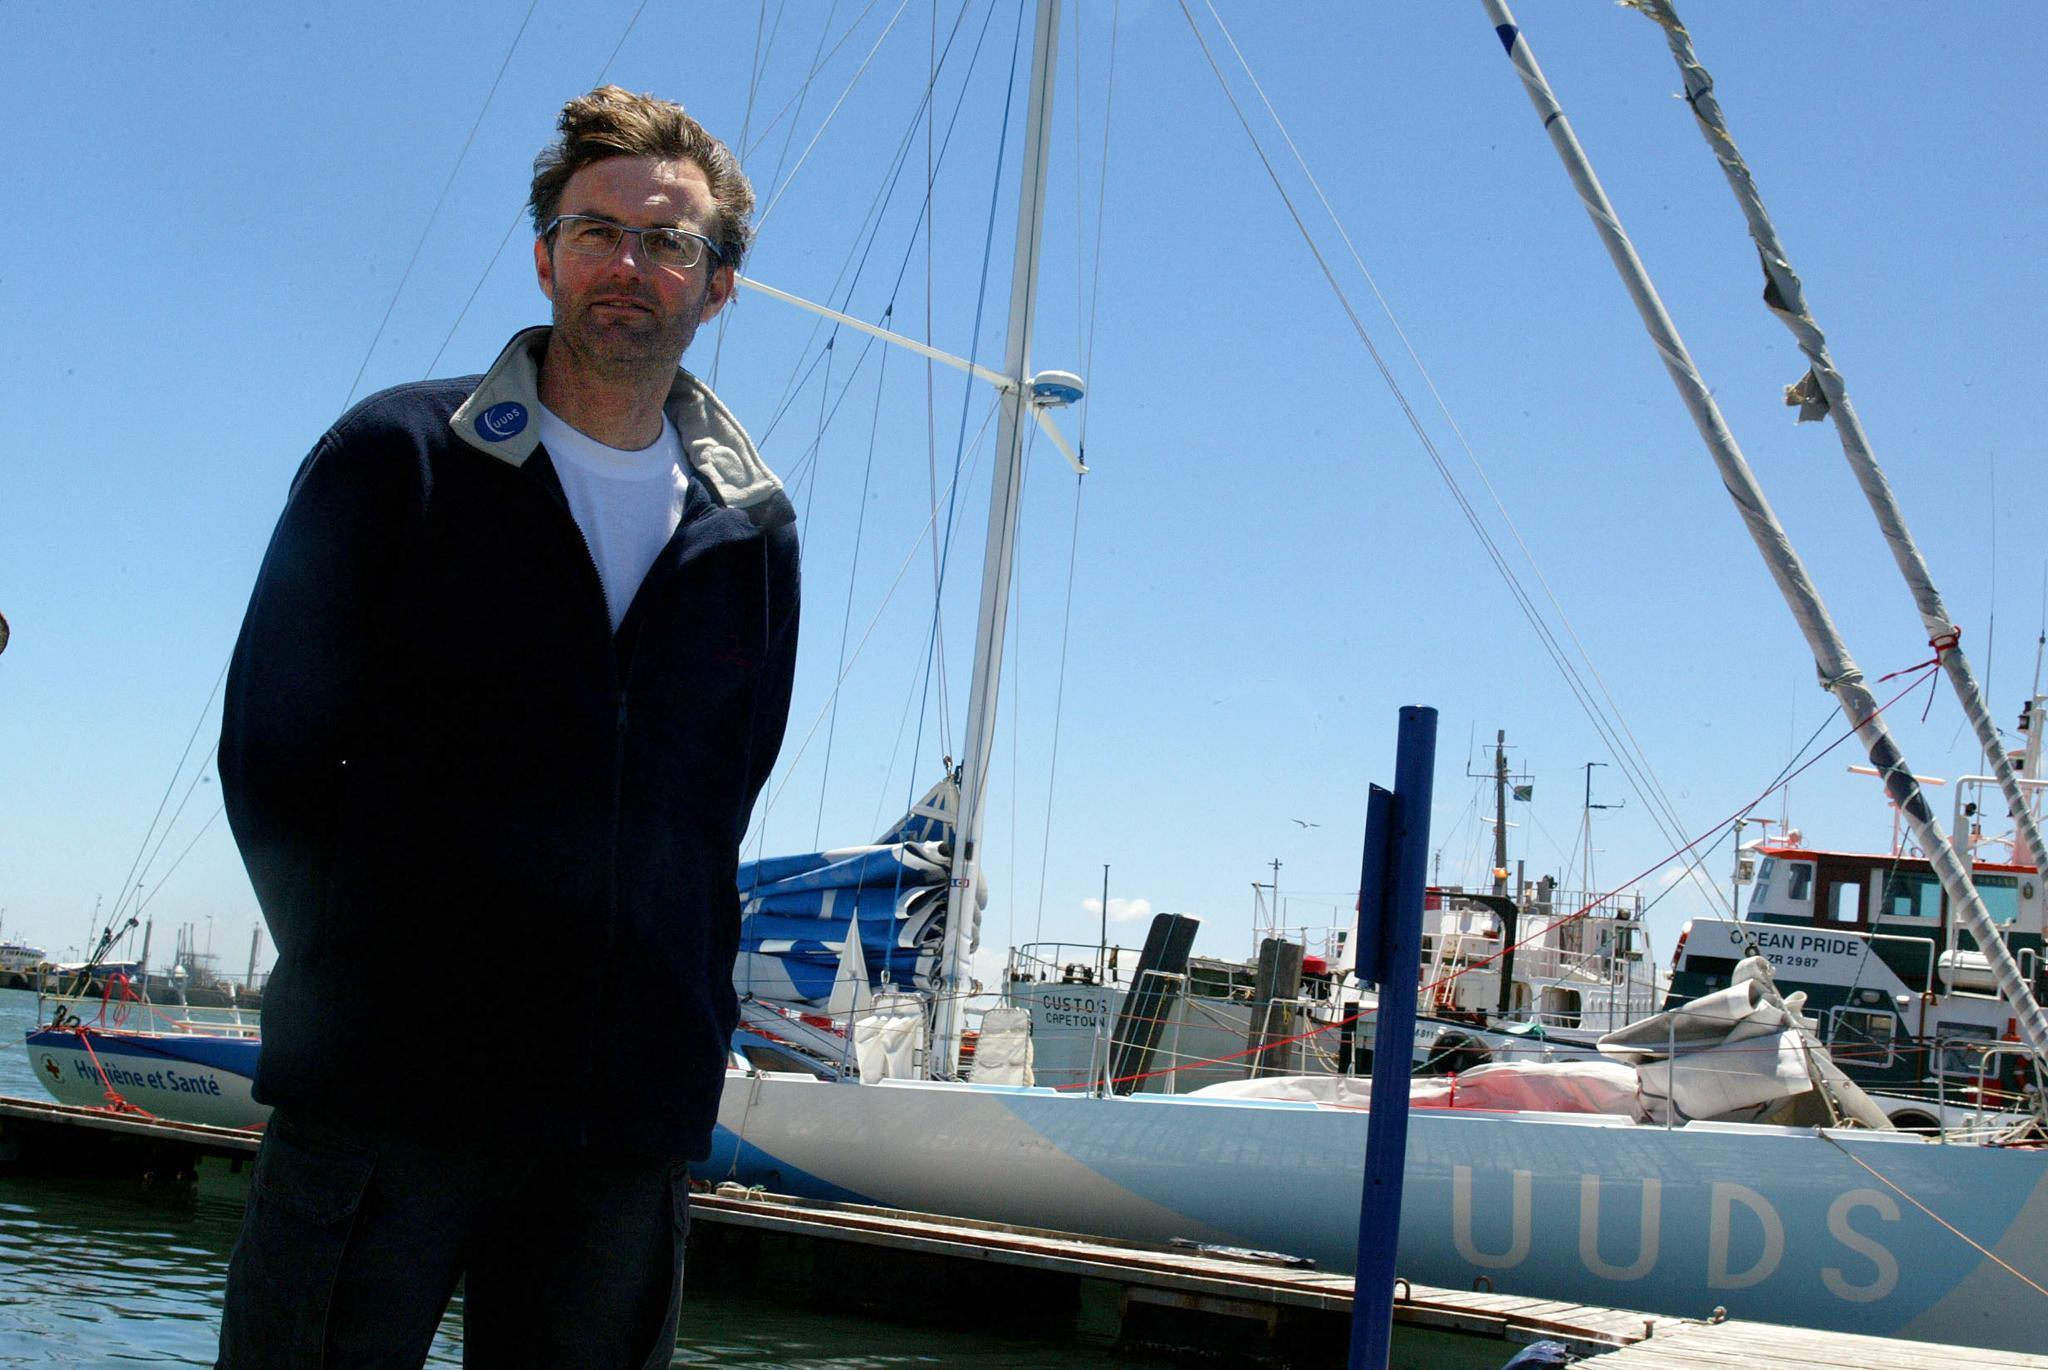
(496, 843)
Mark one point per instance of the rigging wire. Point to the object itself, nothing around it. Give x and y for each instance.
(1101, 219)
(1963, 1236)
(810, 458)
(440, 200)
(761, 220)
(775, 181)
(1052, 767)
(1092, 303)
(1628, 756)
(1629, 760)
(852, 579)
(145, 901)
(931, 378)
(520, 213)
(1087, 299)
(135, 866)
(873, 623)
(762, 47)
(967, 386)
(863, 239)
(1015, 624)
(748, 149)
(190, 787)
(764, 44)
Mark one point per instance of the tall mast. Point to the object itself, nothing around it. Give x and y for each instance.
(963, 915)
(1823, 392)
(1831, 654)
(1500, 812)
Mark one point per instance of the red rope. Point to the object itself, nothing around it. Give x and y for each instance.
(1940, 645)
(115, 1103)
(117, 980)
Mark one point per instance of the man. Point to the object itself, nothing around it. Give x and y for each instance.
(516, 666)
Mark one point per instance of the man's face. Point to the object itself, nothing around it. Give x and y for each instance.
(620, 311)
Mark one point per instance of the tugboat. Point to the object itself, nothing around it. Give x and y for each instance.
(1904, 997)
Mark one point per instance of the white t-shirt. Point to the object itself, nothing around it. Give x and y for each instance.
(628, 504)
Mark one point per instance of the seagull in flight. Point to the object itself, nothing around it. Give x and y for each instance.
(1305, 823)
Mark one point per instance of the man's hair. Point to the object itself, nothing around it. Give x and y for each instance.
(611, 122)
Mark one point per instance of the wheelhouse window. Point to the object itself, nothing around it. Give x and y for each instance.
(1862, 1037)
(1958, 1051)
(1911, 894)
(2001, 895)
(1798, 881)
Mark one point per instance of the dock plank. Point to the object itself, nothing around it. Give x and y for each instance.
(1769, 1346)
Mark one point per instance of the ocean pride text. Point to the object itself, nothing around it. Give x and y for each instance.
(1810, 943)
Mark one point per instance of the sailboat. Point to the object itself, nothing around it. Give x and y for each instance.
(1876, 1232)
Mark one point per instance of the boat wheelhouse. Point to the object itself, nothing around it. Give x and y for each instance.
(1904, 997)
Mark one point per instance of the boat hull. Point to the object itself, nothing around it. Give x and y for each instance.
(191, 1078)
(1774, 1224)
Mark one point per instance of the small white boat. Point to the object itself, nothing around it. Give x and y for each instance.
(193, 1073)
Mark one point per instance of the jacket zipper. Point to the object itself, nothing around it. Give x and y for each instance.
(608, 939)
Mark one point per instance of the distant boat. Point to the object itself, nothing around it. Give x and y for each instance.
(1906, 998)
(187, 1072)
(195, 1071)
(19, 964)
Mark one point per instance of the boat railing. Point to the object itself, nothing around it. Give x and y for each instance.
(1594, 968)
(1990, 1107)
(1067, 963)
(128, 1008)
(1305, 1049)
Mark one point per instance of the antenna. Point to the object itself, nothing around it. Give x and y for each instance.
(1586, 826)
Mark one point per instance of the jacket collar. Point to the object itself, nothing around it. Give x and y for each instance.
(497, 418)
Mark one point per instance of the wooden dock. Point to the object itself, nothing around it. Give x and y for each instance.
(1122, 1293)
(1766, 1346)
(1234, 1309)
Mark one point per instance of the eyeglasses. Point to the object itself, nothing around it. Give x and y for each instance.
(678, 249)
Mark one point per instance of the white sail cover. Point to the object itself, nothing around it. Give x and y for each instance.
(1002, 1052)
(1734, 1053)
(888, 1042)
(1727, 1051)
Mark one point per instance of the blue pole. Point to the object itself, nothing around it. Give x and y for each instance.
(1389, 953)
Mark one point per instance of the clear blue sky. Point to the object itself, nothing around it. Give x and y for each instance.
(214, 206)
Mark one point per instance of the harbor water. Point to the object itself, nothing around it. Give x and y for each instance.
(95, 1271)
(98, 1271)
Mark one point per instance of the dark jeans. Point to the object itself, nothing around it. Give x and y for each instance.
(352, 1246)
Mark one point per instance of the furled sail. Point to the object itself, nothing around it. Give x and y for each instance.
(799, 913)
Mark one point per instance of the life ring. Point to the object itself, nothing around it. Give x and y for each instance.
(1453, 1053)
